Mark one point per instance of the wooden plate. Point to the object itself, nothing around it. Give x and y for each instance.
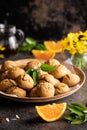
(73, 89)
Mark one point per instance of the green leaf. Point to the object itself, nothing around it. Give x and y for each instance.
(40, 46)
(29, 71)
(69, 116)
(74, 110)
(35, 77)
(77, 113)
(85, 118)
(79, 105)
(30, 40)
(47, 68)
(34, 74)
(74, 119)
(26, 47)
(77, 121)
(74, 44)
(30, 44)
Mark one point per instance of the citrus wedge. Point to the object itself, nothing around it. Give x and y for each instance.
(53, 46)
(51, 112)
(41, 54)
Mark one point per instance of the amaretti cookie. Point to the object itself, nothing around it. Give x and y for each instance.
(7, 65)
(49, 78)
(6, 83)
(33, 64)
(15, 72)
(53, 62)
(33, 92)
(19, 92)
(61, 88)
(71, 79)
(60, 71)
(45, 89)
(25, 81)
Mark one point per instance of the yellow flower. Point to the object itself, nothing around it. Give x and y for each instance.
(2, 56)
(75, 42)
(2, 48)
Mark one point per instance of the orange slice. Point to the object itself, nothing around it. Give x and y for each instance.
(41, 54)
(53, 46)
(51, 112)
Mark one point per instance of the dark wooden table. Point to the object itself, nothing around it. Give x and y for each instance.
(28, 119)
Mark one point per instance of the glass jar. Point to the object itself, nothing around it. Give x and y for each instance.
(80, 60)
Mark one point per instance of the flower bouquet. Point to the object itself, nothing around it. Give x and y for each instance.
(76, 45)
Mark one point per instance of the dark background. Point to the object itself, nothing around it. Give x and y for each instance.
(45, 19)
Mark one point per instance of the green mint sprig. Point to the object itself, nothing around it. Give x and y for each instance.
(77, 113)
(30, 44)
(34, 72)
(47, 68)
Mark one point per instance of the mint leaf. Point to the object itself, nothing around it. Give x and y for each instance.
(29, 71)
(82, 106)
(35, 77)
(70, 116)
(26, 47)
(34, 74)
(77, 121)
(77, 113)
(47, 68)
(30, 40)
(75, 110)
(29, 44)
(40, 46)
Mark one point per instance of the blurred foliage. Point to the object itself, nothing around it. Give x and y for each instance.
(29, 44)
